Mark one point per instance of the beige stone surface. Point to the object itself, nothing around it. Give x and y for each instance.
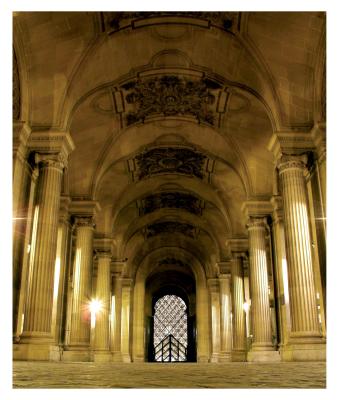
(110, 375)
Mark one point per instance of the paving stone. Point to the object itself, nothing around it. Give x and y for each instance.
(175, 375)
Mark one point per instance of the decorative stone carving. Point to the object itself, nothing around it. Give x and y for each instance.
(170, 160)
(84, 221)
(183, 201)
(172, 261)
(170, 227)
(113, 21)
(16, 89)
(171, 95)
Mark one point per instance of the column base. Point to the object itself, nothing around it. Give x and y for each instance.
(238, 356)
(202, 359)
(126, 358)
(214, 358)
(263, 356)
(36, 352)
(139, 359)
(225, 356)
(315, 351)
(116, 356)
(102, 356)
(76, 353)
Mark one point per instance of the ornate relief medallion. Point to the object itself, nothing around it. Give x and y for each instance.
(183, 201)
(169, 96)
(170, 227)
(170, 160)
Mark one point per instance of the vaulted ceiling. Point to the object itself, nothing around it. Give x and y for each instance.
(171, 114)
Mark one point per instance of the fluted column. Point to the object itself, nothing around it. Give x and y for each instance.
(126, 290)
(225, 317)
(260, 304)
(116, 318)
(22, 176)
(304, 319)
(239, 317)
(82, 283)
(103, 294)
(280, 266)
(38, 314)
(214, 292)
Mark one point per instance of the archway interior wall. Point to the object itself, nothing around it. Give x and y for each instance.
(142, 301)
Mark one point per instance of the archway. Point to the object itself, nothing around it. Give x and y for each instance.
(171, 319)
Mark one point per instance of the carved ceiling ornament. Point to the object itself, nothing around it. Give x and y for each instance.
(16, 89)
(164, 160)
(173, 227)
(184, 201)
(172, 261)
(171, 95)
(114, 21)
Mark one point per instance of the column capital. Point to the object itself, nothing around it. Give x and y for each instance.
(50, 141)
(319, 138)
(287, 162)
(224, 277)
(239, 245)
(213, 284)
(84, 208)
(290, 143)
(50, 160)
(224, 267)
(257, 223)
(21, 133)
(103, 253)
(102, 245)
(63, 211)
(126, 283)
(84, 222)
(118, 267)
(257, 208)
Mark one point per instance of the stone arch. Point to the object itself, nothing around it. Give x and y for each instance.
(202, 311)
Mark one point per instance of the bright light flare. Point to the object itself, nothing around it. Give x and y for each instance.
(246, 307)
(95, 306)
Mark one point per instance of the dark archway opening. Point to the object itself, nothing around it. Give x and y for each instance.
(171, 322)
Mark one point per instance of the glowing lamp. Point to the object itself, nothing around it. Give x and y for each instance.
(95, 306)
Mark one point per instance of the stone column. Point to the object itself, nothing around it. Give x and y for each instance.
(26, 259)
(225, 318)
(37, 336)
(239, 317)
(22, 176)
(78, 348)
(262, 346)
(126, 289)
(61, 272)
(103, 294)
(116, 318)
(305, 337)
(214, 294)
(280, 266)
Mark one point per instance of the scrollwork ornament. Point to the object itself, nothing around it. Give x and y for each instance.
(84, 222)
(57, 161)
(292, 162)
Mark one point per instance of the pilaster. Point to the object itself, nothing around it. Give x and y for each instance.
(225, 318)
(126, 306)
(214, 294)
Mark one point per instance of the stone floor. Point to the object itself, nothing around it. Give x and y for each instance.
(232, 375)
